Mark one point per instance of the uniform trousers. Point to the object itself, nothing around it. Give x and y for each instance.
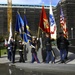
(34, 58)
(9, 54)
(21, 56)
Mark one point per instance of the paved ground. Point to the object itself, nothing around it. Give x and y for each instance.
(4, 59)
(71, 59)
(54, 69)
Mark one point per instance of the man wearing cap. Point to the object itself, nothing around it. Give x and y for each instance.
(62, 43)
(21, 51)
(12, 50)
(48, 45)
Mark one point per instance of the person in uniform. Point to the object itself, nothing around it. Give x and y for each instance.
(7, 45)
(62, 43)
(21, 52)
(33, 50)
(12, 50)
(67, 48)
(48, 45)
(9, 52)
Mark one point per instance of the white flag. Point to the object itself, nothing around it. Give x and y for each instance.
(5, 43)
(10, 34)
(52, 23)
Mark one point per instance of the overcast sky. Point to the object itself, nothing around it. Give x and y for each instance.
(31, 2)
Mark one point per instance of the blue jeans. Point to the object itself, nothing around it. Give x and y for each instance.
(63, 54)
(49, 57)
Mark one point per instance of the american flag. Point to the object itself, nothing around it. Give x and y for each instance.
(63, 24)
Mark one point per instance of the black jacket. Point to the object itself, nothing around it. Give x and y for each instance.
(33, 50)
(48, 43)
(62, 43)
(12, 45)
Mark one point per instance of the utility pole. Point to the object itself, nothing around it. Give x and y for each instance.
(72, 33)
(9, 14)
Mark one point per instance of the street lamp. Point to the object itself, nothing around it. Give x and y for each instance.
(72, 33)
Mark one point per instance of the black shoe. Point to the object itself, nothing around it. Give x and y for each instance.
(66, 58)
(19, 60)
(62, 61)
(13, 62)
(52, 62)
(23, 61)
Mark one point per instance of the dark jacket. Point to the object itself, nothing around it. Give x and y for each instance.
(33, 50)
(62, 43)
(21, 46)
(12, 45)
(48, 43)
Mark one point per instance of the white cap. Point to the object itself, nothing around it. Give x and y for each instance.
(20, 41)
(33, 36)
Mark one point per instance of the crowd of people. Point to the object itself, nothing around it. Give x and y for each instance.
(47, 55)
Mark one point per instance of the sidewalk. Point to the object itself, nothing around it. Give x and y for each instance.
(4, 59)
(71, 59)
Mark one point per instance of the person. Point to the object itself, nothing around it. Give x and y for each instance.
(9, 52)
(12, 50)
(67, 46)
(7, 45)
(62, 43)
(49, 56)
(25, 52)
(44, 54)
(43, 48)
(33, 50)
(21, 52)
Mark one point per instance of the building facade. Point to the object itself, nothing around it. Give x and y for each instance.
(32, 14)
(68, 7)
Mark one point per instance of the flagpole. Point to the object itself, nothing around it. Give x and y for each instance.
(39, 27)
(50, 12)
(9, 14)
(38, 32)
(24, 45)
(16, 33)
(23, 31)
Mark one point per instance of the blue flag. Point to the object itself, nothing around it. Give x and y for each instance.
(20, 28)
(17, 23)
(24, 37)
(27, 29)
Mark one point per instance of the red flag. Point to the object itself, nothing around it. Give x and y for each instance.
(44, 24)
